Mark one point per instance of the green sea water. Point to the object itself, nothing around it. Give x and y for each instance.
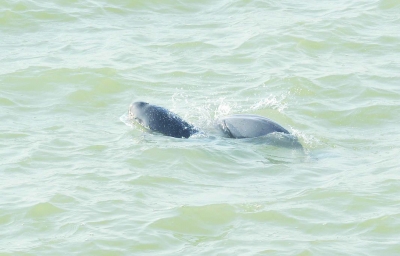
(78, 178)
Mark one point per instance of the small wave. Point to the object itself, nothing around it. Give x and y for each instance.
(125, 119)
(307, 140)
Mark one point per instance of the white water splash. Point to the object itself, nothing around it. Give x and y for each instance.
(271, 102)
(125, 119)
(223, 108)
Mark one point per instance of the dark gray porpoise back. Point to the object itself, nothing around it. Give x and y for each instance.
(162, 120)
(248, 126)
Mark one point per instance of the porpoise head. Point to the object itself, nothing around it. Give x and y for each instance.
(136, 110)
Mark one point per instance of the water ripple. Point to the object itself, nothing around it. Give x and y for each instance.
(77, 180)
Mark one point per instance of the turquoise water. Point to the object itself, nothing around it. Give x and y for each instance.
(79, 178)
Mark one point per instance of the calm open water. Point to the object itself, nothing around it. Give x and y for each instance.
(78, 179)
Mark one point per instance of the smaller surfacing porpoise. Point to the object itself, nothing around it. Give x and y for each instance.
(248, 126)
(161, 120)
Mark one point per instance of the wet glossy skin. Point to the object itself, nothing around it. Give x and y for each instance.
(161, 120)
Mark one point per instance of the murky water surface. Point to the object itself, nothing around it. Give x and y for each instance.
(79, 178)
